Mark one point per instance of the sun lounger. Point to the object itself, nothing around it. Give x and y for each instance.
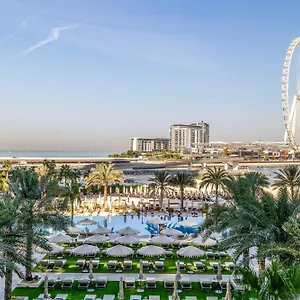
(67, 284)
(190, 298)
(159, 265)
(186, 284)
(83, 284)
(199, 266)
(135, 297)
(181, 265)
(127, 264)
(101, 282)
(108, 297)
(210, 255)
(211, 298)
(168, 284)
(150, 283)
(130, 283)
(59, 263)
(90, 297)
(154, 297)
(230, 265)
(112, 264)
(145, 264)
(214, 265)
(206, 284)
(80, 263)
(95, 263)
(44, 263)
(223, 284)
(61, 297)
(236, 283)
(51, 283)
(169, 254)
(223, 254)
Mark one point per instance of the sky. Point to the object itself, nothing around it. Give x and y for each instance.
(77, 74)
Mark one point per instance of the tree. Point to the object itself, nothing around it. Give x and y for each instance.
(288, 177)
(214, 178)
(161, 182)
(4, 176)
(64, 173)
(37, 212)
(257, 181)
(103, 174)
(182, 180)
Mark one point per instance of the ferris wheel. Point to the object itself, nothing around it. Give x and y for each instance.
(291, 98)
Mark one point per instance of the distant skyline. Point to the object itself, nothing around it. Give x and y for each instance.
(78, 75)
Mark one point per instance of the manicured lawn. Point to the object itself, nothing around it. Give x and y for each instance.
(113, 288)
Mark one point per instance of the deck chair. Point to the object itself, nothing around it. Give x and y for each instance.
(83, 284)
(150, 283)
(66, 284)
(101, 282)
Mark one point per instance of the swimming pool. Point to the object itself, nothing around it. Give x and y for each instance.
(140, 223)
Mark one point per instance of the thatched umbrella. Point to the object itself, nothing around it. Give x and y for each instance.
(91, 274)
(175, 295)
(119, 251)
(188, 223)
(190, 251)
(151, 251)
(128, 231)
(97, 238)
(100, 230)
(86, 222)
(85, 250)
(46, 295)
(74, 230)
(127, 240)
(121, 289)
(171, 232)
(162, 240)
(60, 238)
(228, 291)
(141, 273)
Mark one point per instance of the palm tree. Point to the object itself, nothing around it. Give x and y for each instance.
(37, 212)
(288, 177)
(257, 181)
(103, 174)
(4, 176)
(161, 181)
(64, 173)
(70, 195)
(182, 180)
(214, 178)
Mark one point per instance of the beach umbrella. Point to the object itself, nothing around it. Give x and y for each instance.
(85, 250)
(157, 221)
(128, 231)
(199, 241)
(60, 238)
(228, 291)
(54, 249)
(151, 251)
(219, 272)
(86, 222)
(91, 274)
(113, 236)
(171, 232)
(216, 236)
(162, 240)
(100, 230)
(127, 240)
(74, 230)
(190, 251)
(97, 239)
(178, 274)
(188, 223)
(46, 295)
(119, 251)
(121, 289)
(175, 295)
(141, 272)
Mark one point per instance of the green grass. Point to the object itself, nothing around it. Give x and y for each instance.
(113, 288)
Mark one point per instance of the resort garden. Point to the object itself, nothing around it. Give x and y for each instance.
(247, 248)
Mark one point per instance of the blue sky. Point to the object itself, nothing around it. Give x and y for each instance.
(78, 74)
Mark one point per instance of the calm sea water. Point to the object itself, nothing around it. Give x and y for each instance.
(56, 153)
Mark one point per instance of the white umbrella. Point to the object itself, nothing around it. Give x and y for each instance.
(60, 238)
(157, 221)
(127, 240)
(97, 238)
(178, 275)
(128, 231)
(199, 241)
(188, 223)
(85, 250)
(151, 251)
(91, 274)
(228, 291)
(121, 289)
(162, 240)
(171, 232)
(100, 230)
(119, 251)
(113, 236)
(86, 222)
(175, 295)
(46, 295)
(54, 249)
(74, 230)
(190, 251)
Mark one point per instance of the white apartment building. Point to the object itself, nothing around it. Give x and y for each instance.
(190, 137)
(148, 144)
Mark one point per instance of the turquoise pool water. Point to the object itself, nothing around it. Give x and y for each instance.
(140, 223)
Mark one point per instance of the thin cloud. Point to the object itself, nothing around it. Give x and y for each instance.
(23, 25)
(54, 36)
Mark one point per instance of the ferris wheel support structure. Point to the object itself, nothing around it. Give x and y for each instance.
(289, 116)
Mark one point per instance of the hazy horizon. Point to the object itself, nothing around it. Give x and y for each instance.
(90, 75)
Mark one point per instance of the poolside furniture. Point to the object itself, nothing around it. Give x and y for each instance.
(210, 255)
(186, 284)
(145, 264)
(214, 265)
(90, 297)
(61, 297)
(199, 266)
(112, 264)
(44, 263)
(169, 254)
(154, 297)
(95, 263)
(129, 283)
(168, 284)
(223, 254)
(182, 265)
(80, 263)
(190, 298)
(127, 264)
(108, 297)
(211, 298)
(67, 252)
(150, 283)
(223, 284)
(159, 265)
(206, 284)
(66, 284)
(51, 283)
(83, 284)
(101, 282)
(135, 297)
(59, 263)
(230, 265)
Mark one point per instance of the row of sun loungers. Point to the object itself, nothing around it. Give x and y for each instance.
(58, 263)
(83, 284)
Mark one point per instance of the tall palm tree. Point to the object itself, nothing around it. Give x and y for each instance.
(288, 177)
(182, 180)
(257, 181)
(103, 174)
(4, 176)
(64, 173)
(214, 178)
(6, 168)
(37, 212)
(161, 182)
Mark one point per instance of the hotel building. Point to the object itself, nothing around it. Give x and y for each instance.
(148, 144)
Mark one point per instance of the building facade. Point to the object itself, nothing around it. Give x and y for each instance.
(189, 138)
(149, 145)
